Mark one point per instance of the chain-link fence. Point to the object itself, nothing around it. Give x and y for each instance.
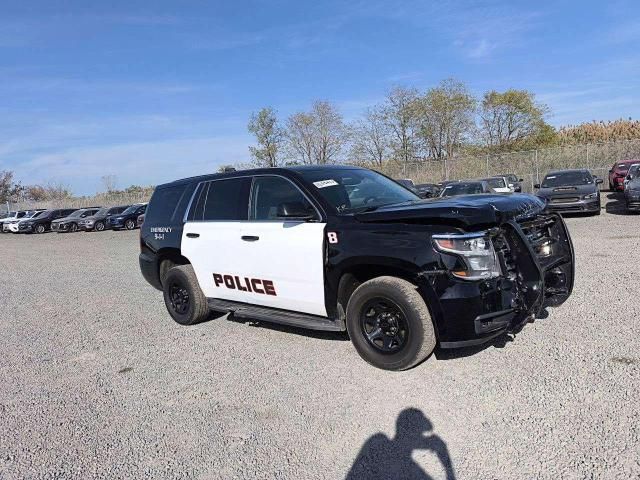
(531, 165)
(100, 200)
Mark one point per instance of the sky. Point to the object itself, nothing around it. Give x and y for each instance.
(152, 91)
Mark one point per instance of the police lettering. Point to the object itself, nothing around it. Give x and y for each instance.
(255, 285)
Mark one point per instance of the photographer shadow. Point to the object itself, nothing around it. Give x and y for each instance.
(384, 458)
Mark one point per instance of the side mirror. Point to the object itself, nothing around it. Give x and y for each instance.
(295, 211)
(537, 185)
(628, 177)
(598, 181)
(520, 180)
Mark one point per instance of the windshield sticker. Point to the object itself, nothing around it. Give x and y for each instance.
(550, 177)
(325, 183)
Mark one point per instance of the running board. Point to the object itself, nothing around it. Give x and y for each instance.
(276, 315)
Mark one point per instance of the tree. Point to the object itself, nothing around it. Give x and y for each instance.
(401, 116)
(446, 118)
(269, 135)
(300, 138)
(109, 182)
(510, 118)
(36, 193)
(6, 185)
(371, 142)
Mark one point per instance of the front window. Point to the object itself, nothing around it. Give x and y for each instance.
(102, 212)
(76, 214)
(567, 179)
(270, 194)
(454, 189)
(353, 190)
(130, 209)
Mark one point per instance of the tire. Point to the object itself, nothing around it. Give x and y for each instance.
(73, 228)
(129, 224)
(40, 228)
(389, 324)
(183, 297)
(99, 226)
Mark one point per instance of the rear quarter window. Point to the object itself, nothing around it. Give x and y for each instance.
(163, 206)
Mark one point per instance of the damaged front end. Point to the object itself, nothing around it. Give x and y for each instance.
(536, 271)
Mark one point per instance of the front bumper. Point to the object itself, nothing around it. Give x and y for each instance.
(113, 223)
(590, 205)
(632, 199)
(13, 228)
(470, 313)
(25, 228)
(60, 227)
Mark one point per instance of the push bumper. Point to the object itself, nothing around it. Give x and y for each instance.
(632, 199)
(534, 278)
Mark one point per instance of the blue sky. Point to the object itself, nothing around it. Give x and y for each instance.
(153, 91)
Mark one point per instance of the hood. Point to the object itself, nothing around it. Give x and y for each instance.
(567, 191)
(465, 210)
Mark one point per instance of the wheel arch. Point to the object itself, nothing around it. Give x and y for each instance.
(167, 258)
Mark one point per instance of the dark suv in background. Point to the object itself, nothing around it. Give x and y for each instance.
(100, 221)
(129, 218)
(569, 191)
(70, 223)
(42, 222)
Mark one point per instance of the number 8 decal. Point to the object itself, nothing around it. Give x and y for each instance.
(332, 237)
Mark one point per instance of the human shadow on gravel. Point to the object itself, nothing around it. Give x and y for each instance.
(617, 205)
(385, 458)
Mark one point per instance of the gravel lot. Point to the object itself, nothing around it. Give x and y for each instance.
(98, 381)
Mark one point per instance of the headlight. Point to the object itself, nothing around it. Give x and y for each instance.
(591, 195)
(476, 252)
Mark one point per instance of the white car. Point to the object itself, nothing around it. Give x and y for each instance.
(15, 218)
(14, 226)
(499, 184)
(634, 171)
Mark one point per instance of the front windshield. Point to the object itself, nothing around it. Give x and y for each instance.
(623, 167)
(352, 190)
(567, 179)
(77, 213)
(461, 189)
(39, 214)
(634, 170)
(102, 211)
(496, 182)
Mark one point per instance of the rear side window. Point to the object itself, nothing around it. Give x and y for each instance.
(163, 206)
(226, 199)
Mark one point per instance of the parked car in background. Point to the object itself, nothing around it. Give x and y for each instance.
(465, 187)
(19, 215)
(408, 183)
(632, 193)
(42, 223)
(498, 184)
(70, 223)
(570, 191)
(13, 226)
(100, 220)
(140, 220)
(634, 170)
(127, 219)
(427, 190)
(618, 173)
(514, 182)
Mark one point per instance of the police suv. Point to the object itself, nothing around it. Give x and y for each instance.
(345, 248)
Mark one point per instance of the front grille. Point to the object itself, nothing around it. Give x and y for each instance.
(564, 200)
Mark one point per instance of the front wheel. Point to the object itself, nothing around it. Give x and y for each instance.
(99, 226)
(40, 228)
(129, 224)
(183, 297)
(73, 227)
(389, 324)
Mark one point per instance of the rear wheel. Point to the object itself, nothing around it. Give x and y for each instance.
(129, 224)
(389, 324)
(99, 226)
(183, 297)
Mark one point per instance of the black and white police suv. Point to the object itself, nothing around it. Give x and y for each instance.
(345, 248)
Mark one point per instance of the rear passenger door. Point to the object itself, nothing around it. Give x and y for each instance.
(211, 234)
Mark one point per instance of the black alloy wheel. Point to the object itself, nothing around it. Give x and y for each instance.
(130, 224)
(179, 298)
(384, 325)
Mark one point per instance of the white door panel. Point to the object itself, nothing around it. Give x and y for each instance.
(290, 254)
(214, 250)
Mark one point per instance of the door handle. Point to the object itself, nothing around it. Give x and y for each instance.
(193, 235)
(250, 238)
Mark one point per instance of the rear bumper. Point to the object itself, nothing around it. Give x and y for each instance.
(150, 269)
(471, 313)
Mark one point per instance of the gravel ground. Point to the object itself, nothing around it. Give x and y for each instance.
(98, 381)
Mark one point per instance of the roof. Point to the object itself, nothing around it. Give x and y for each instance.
(258, 171)
(570, 170)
